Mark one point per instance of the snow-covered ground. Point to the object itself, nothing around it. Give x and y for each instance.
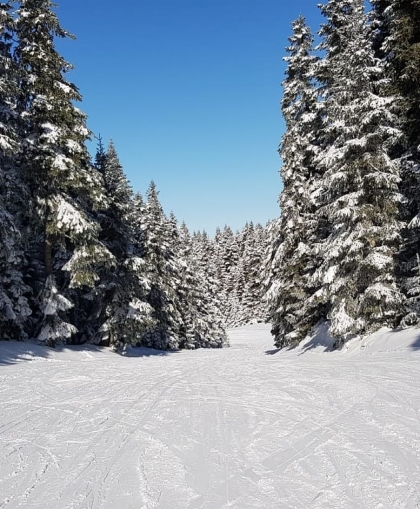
(240, 428)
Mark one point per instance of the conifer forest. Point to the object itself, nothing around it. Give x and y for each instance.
(137, 364)
(86, 259)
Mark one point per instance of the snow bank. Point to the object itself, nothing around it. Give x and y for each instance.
(382, 341)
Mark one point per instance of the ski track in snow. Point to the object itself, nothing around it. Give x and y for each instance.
(235, 428)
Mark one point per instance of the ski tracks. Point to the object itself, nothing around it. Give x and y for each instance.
(212, 429)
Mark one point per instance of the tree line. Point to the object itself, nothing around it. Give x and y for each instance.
(84, 258)
(346, 247)
(81, 257)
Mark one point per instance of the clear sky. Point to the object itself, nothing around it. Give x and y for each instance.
(189, 90)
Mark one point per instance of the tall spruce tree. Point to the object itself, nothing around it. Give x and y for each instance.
(249, 305)
(397, 38)
(162, 272)
(254, 307)
(121, 309)
(292, 312)
(228, 260)
(201, 324)
(63, 185)
(359, 189)
(14, 306)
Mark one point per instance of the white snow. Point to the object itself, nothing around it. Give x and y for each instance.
(245, 427)
(70, 218)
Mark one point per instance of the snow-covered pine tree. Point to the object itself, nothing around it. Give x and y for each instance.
(270, 263)
(234, 265)
(299, 228)
(359, 192)
(228, 260)
(183, 312)
(252, 302)
(161, 270)
(397, 39)
(14, 307)
(63, 185)
(240, 271)
(203, 250)
(248, 305)
(121, 309)
(185, 288)
(401, 29)
(241, 291)
(116, 223)
(199, 301)
(216, 251)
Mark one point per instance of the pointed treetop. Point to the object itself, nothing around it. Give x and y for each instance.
(100, 156)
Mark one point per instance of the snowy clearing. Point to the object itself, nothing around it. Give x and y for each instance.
(240, 428)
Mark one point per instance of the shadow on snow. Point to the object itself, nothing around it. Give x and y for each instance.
(416, 344)
(272, 352)
(13, 352)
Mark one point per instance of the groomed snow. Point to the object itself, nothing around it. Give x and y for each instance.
(240, 428)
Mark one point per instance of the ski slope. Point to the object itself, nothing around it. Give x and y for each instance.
(245, 427)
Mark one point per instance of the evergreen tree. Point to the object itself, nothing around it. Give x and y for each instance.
(300, 226)
(253, 304)
(116, 224)
(14, 306)
(201, 321)
(271, 265)
(234, 266)
(228, 260)
(162, 272)
(359, 190)
(122, 310)
(62, 184)
(100, 156)
(241, 274)
(401, 34)
(186, 287)
(398, 39)
(248, 305)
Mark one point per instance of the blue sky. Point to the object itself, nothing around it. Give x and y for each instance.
(189, 90)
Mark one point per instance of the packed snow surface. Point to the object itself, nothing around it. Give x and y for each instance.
(246, 427)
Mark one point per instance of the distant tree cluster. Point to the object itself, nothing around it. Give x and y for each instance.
(233, 264)
(81, 257)
(346, 247)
